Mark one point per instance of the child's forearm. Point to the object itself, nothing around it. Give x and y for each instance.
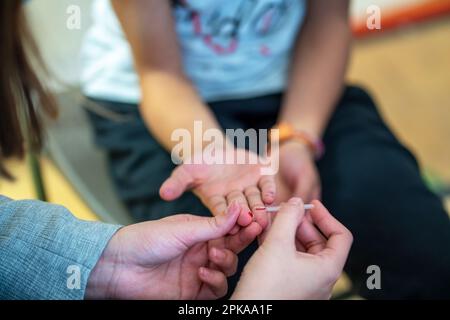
(319, 66)
(170, 102)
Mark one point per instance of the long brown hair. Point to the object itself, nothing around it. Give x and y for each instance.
(22, 96)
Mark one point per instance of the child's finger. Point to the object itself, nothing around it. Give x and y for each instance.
(268, 189)
(257, 205)
(246, 216)
(304, 188)
(179, 182)
(217, 205)
(263, 235)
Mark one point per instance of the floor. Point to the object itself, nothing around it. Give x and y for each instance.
(58, 189)
(408, 71)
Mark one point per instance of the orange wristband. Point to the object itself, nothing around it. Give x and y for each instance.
(289, 133)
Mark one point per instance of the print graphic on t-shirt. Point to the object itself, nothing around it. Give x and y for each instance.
(219, 24)
(230, 49)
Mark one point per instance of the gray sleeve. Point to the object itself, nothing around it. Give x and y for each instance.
(45, 252)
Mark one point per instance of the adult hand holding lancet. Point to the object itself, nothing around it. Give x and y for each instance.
(299, 258)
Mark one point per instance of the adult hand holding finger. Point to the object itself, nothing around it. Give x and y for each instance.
(167, 259)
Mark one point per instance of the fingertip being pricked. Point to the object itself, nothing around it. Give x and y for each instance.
(245, 217)
(262, 218)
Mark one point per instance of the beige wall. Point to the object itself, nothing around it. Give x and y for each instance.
(58, 44)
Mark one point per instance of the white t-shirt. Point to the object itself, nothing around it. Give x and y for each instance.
(231, 49)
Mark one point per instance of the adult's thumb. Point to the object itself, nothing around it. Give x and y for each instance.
(284, 228)
(205, 229)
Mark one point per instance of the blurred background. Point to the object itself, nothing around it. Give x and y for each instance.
(405, 65)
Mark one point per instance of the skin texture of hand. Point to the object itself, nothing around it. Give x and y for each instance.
(300, 259)
(298, 176)
(180, 257)
(219, 185)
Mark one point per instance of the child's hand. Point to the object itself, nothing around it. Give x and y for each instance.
(299, 259)
(218, 186)
(298, 173)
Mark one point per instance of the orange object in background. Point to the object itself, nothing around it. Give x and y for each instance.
(397, 16)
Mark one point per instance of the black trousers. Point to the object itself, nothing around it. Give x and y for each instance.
(370, 182)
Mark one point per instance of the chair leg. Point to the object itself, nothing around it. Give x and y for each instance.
(34, 164)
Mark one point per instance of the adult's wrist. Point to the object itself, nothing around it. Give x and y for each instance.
(102, 276)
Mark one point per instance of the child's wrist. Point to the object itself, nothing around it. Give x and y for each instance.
(289, 133)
